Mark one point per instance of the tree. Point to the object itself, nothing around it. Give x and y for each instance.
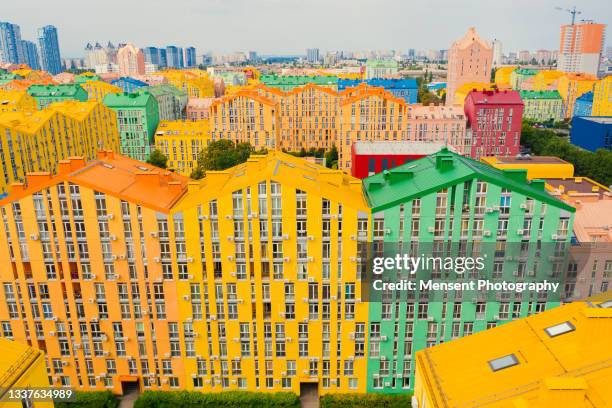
(220, 155)
(158, 159)
(331, 158)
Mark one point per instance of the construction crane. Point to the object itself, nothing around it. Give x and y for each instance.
(572, 11)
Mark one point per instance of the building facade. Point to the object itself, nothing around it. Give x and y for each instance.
(592, 132)
(49, 50)
(130, 60)
(171, 102)
(494, 120)
(137, 119)
(181, 142)
(583, 105)
(542, 105)
(377, 68)
(571, 86)
(518, 76)
(406, 89)
(469, 60)
(36, 141)
(11, 45)
(421, 207)
(190, 57)
(580, 47)
(602, 97)
(30, 53)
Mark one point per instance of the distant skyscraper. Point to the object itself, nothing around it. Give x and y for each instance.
(30, 52)
(498, 53)
(151, 55)
(469, 60)
(252, 56)
(130, 60)
(190, 57)
(580, 47)
(11, 49)
(312, 55)
(49, 50)
(174, 56)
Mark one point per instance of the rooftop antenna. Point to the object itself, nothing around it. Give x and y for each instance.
(572, 11)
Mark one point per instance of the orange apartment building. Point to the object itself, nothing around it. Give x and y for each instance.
(580, 47)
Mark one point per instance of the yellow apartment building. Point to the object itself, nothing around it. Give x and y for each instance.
(195, 82)
(538, 167)
(129, 274)
(36, 141)
(21, 367)
(97, 90)
(181, 142)
(502, 75)
(14, 101)
(245, 117)
(571, 86)
(546, 80)
(560, 357)
(602, 97)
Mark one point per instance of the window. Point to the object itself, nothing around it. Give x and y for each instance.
(559, 329)
(503, 362)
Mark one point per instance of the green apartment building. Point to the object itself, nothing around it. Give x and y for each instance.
(518, 76)
(48, 94)
(137, 119)
(171, 101)
(542, 105)
(289, 82)
(449, 205)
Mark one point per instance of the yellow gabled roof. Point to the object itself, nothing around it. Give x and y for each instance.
(280, 167)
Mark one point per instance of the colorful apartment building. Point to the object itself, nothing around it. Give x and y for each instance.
(502, 75)
(21, 367)
(602, 97)
(542, 106)
(181, 142)
(470, 59)
(518, 76)
(583, 106)
(580, 47)
(130, 60)
(137, 119)
(287, 83)
(196, 83)
(571, 86)
(171, 101)
(369, 157)
(247, 279)
(48, 94)
(198, 108)
(546, 80)
(36, 141)
(97, 90)
(381, 68)
(129, 84)
(537, 167)
(406, 89)
(14, 101)
(438, 124)
(462, 92)
(436, 206)
(556, 358)
(495, 120)
(592, 132)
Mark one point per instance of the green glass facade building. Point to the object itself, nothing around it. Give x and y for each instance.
(449, 205)
(137, 119)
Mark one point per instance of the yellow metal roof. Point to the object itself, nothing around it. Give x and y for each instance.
(559, 350)
(15, 359)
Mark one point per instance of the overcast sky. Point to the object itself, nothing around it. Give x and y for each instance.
(291, 26)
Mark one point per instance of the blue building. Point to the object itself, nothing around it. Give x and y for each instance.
(11, 47)
(156, 56)
(30, 52)
(190, 57)
(129, 84)
(174, 56)
(592, 132)
(49, 49)
(584, 105)
(406, 89)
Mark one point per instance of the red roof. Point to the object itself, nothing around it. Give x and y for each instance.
(495, 97)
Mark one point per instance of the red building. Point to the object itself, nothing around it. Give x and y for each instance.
(368, 158)
(494, 122)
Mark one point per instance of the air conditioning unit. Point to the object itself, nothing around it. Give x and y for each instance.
(64, 363)
(190, 277)
(311, 279)
(213, 317)
(230, 258)
(94, 319)
(233, 274)
(93, 276)
(164, 381)
(189, 259)
(34, 237)
(228, 217)
(254, 215)
(488, 210)
(236, 340)
(230, 237)
(286, 259)
(352, 335)
(431, 229)
(383, 338)
(289, 339)
(387, 384)
(185, 297)
(334, 298)
(112, 237)
(387, 231)
(51, 333)
(167, 355)
(310, 237)
(310, 259)
(116, 276)
(486, 233)
(105, 353)
(285, 236)
(156, 260)
(122, 256)
(110, 216)
(520, 232)
(154, 234)
(114, 257)
(523, 206)
(555, 236)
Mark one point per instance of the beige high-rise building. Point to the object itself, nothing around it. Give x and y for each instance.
(469, 60)
(130, 60)
(580, 47)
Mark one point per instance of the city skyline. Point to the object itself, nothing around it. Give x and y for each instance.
(394, 25)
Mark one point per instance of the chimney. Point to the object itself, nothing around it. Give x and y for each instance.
(444, 160)
(63, 167)
(37, 178)
(76, 162)
(175, 187)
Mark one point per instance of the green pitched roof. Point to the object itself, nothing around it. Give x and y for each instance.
(161, 89)
(297, 80)
(127, 100)
(540, 94)
(57, 91)
(443, 169)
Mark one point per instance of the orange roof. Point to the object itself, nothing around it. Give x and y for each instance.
(113, 174)
(593, 220)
